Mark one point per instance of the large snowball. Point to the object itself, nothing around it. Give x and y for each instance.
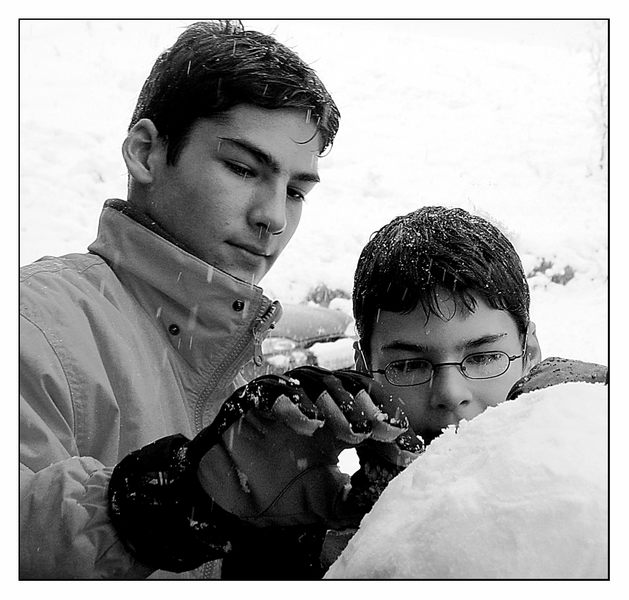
(518, 492)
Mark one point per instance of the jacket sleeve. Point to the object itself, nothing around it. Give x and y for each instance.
(65, 532)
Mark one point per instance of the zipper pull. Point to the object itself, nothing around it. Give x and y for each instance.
(260, 328)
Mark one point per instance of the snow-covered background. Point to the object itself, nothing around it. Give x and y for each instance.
(501, 117)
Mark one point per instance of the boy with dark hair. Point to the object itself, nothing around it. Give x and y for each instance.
(142, 339)
(215, 66)
(442, 311)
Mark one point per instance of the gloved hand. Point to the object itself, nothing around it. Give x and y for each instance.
(269, 458)
(555, 371)
(278, 466)
(156, 503)
(379, 464)
(355, 407)
(380, 460)
(161, 513)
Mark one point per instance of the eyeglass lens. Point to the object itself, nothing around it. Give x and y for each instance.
(480, 365)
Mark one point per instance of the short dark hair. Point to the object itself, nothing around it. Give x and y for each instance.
(410, 259)
(216, 65)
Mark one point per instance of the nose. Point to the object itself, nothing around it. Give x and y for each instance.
(449, 390)
(268, 211)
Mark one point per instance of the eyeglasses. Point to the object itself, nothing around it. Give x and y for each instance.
(479, 365)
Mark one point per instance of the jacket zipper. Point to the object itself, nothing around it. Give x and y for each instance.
(261, 325)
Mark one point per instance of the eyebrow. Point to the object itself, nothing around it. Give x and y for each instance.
(464, 345)
(481, 341)
(268, 159)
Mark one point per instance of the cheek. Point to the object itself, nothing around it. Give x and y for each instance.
(496, 391)
(293, 213)
(208, 181)
(214, 201)
(413, 401)
(293, 217)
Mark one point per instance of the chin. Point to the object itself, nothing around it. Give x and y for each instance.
(253, 275)
(250, 276)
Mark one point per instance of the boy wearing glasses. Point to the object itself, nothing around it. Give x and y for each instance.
(442, 311)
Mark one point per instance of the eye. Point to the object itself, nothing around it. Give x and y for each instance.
(401, 367)
(241, 170)
(484, 358)
(408, 372)
(296, 194)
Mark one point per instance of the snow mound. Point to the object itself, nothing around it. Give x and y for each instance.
(520, 492)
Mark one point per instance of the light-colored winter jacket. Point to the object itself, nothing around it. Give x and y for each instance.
(132, 342)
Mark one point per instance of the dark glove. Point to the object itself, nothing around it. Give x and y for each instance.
(156, 503)
(378, 466)
(367, 407)
(278, 466)
(268, 459)
(356, 407)
(161, 513)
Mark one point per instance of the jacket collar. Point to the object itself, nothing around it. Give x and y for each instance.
(204, 312)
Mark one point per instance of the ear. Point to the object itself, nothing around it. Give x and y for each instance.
(140, 149)
(359, 358)
(533, 350)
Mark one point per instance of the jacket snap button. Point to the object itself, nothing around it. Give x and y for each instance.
(173, 329)
(238, 305)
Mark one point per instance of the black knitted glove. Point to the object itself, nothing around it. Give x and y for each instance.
(160, 511)
(156, 503)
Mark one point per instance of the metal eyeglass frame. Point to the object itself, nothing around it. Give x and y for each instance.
(458, 364)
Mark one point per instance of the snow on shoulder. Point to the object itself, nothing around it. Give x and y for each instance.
(519, 492)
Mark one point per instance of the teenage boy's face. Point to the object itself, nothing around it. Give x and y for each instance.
(235, 196)
(449, 396)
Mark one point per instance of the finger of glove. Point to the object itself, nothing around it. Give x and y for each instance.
(337, 422)
(410, 442)
(391, 406)
(401, 452)
(384, 412)
(288, 412)
(360, 420)
(262, 392)
(315, 381)
(292, 393)
(381, 429)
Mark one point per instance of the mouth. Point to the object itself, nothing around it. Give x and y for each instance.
(251, 250)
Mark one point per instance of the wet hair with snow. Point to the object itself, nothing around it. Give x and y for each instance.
(216, 65)
(414, 257)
